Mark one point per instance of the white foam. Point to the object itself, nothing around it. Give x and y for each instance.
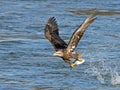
(115, 78)
(105, 74)
(98, 75)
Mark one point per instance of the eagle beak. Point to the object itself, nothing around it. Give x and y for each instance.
(54, 54)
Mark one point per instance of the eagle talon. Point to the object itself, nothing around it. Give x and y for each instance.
(72, 65)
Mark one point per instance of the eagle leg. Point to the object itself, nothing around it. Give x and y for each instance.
(80, 59)
(70, 63)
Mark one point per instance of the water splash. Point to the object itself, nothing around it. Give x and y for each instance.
(98, 75)
(115, 77)
(105, 74)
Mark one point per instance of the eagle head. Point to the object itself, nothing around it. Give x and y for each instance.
(58, 53)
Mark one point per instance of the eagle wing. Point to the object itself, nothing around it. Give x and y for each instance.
(52, 34)
(79, 33)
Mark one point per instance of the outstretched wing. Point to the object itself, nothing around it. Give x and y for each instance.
(52, 34)
(79, 33)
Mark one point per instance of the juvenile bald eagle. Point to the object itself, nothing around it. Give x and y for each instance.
(64, 50)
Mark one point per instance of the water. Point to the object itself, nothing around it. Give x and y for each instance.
(26, 61)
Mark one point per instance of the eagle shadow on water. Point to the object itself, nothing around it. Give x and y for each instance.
(64, 50)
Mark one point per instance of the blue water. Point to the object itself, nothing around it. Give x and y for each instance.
(26, 61)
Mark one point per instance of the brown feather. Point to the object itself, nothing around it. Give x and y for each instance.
(52, 34)
(79, 33)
